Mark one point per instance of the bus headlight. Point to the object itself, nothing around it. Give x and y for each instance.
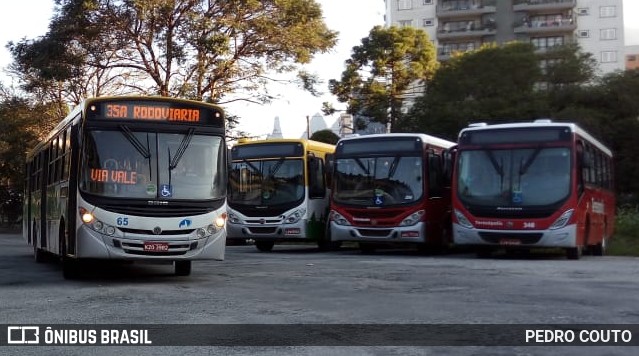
(200, 233)
(220, 221)
(295, 216)
(85, 215)
(339, 219)
(562, 220)
(412, 219)
(463, 221)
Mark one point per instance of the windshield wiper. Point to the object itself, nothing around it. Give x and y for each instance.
(173, 162)
(524, 168)
(144, 151)
(393, 167)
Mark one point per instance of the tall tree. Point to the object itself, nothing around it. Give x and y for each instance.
(491, 83)
(381, 71)
(214, 50)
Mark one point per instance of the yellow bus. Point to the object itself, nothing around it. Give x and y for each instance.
(278, 192)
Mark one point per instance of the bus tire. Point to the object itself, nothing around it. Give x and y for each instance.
(574, 253)
(265, 246)
(325, 243)
(182, 268)
(600, 248)
(38, 254)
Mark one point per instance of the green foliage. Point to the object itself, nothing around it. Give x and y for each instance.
(210, 51)
(490, 84)
(381, 71)
(326, 136)
(626, 238)
(22, 125)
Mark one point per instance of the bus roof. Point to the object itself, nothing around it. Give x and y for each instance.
(308, 144)
(540, 123)
(432, 140)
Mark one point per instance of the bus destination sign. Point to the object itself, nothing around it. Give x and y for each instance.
(154, 111)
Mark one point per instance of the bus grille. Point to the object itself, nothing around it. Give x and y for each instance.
(525, 238)
(175, 249)
(374, 232)
(262, 229)
(160, 211)
(150, 232)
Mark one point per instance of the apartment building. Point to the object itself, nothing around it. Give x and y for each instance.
(463, 25)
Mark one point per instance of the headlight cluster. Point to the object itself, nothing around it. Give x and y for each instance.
(212, 228)
(295, 216)
(562, 220)
(338, 218)
(96, 224)
(413, 218)
(463, 221)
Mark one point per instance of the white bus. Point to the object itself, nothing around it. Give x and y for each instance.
(278, 191)
(129, 178)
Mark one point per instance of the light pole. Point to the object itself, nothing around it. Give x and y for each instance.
(308, 128)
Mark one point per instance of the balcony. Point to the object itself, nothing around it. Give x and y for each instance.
(535, 5)
(452, 9)
(558, 25)
(465, 29)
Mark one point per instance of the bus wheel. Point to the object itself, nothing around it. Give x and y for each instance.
(367, 248)
(600, 248)
(574, 253)
(38, 254)
(326, 244)
(264, 246)
(70, 267)
(182, 268)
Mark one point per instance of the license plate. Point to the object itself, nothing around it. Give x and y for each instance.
(156, 246)
(509, 242)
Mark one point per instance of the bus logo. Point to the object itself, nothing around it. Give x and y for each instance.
(185, 223)
(23, 335)
(157, 230)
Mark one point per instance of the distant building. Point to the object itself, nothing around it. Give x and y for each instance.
(277, 130)
(464, 25)
(632, 57)
(315, 123)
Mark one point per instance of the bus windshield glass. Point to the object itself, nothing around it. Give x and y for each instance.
(150, 165)
(514, 177)
(378, 181)
(266, 182)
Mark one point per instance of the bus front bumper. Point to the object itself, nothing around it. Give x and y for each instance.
(397, 234)
(99, 246)
(268, 232)
(563, 237)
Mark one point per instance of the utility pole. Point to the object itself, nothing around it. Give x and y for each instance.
(308, 128)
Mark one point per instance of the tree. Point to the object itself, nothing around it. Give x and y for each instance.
(326, 136)
(22, 124)
(388, 64)
(215, 51)
(492, 83)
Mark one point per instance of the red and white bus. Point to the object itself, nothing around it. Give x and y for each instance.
(390, 188)
(528, 185)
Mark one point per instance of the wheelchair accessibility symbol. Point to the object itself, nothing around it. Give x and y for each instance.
(166, 191)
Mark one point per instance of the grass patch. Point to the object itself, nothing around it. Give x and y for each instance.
(625, 241)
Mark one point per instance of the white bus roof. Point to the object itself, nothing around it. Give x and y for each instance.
(435, 141)
(542, 123)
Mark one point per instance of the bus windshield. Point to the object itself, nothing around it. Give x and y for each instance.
(151, 165)
(266, 182)
(378, 181)
(514, 177)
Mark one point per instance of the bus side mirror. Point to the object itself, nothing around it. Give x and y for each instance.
(448, 157)
(329, 169)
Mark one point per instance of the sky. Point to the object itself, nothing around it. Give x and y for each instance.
(353, 19)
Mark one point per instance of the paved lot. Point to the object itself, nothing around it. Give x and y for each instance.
(296, 284)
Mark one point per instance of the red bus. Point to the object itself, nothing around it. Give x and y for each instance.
(390, 189)
(528, 185)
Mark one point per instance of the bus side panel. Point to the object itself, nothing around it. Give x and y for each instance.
(317, 214)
